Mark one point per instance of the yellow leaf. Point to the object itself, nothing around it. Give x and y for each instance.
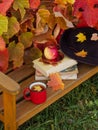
(64, 1)
(37, 88)
(71, 1)
(43, 14)
(81, 37)
(61, 22)
(81, 53)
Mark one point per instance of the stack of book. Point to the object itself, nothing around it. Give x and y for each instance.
(67, 69)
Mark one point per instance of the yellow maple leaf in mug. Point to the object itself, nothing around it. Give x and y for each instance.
(81, 37)
(81, 53)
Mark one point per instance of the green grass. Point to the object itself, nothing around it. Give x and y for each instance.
(78, 110)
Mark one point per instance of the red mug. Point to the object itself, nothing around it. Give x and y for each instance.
(37, 92)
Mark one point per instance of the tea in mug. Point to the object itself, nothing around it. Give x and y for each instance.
(37, 88)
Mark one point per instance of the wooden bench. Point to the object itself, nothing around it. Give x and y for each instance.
(14, 110)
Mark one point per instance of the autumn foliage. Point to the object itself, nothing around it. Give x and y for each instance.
(55, 81)
(26, 22)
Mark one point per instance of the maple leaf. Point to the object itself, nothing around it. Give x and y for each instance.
(81, 53)
(81, 37)
(4, 6)
(37, 88)
(94, 37)
(55, 81)
(87, 10)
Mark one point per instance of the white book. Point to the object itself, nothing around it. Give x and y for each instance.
(46, 69)
(71, 70)
(39, 76)
(69, 77)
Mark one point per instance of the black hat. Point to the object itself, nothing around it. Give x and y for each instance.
(81, 44)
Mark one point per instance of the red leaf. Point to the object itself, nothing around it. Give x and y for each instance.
(4, 56)
(2, 44)
(34, 4)
(88, 10)
(5, 5)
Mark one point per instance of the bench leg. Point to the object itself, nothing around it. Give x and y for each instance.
(9, 111)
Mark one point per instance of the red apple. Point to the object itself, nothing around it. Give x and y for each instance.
(51, 52)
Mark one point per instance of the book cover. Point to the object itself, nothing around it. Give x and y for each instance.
(71, 70)
(46, 69)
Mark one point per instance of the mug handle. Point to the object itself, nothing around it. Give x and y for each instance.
(26, 90)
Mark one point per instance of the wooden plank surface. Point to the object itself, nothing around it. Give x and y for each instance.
(21, 73)
(7, 84)
(85, 72)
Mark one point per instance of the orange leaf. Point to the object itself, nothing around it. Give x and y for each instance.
(55, 81)
(2, 44)
(81, 53)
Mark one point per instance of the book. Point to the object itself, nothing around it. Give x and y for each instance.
(70, 73)
(46, 69)
(71, 70)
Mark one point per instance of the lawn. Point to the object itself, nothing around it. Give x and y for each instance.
(78, 110)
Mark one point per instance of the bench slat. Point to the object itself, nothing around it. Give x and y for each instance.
(30, 110)
(21, 73)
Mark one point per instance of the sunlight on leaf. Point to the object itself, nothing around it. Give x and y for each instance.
(64, 1)
(26, 39)
(42, 17)
(3, 24)
(13, 26)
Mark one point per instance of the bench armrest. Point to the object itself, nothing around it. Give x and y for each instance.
(8, 84)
